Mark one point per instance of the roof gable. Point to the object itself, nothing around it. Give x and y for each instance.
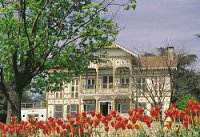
(117, 46)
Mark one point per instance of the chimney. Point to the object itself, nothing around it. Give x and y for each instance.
(170, 53)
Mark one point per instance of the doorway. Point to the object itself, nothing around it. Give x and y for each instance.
(105, 107)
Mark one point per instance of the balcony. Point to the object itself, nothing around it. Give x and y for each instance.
(106, 89)
(107, 86)
(123, 85)
(33, 105)
(89, 86)
(89, 89)
(106, 81)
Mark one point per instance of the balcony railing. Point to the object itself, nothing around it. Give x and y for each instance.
(105, 85)
(89, 86)
(33, 105)
(123, 86)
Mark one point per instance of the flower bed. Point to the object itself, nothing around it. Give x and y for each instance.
(183, 123)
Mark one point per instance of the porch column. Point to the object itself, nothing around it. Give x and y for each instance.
(81, 105)
(63, 102)
(131, 78)
(114, 78)
(113, 104)
(79, 92)
(97, 104)
(47, 106)
(97, 78)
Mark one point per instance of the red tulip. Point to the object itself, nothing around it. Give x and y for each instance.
(186, 120)
(129, 126)
(114, 113)
(106, 128)
(96, 122)
(155, 112)
(98, 115)
(133, 119)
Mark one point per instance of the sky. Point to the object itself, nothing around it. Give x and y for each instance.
(158, 23)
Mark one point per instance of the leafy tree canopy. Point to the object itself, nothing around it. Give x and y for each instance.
(47, 42)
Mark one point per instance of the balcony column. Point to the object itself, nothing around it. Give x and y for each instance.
(114, 78)
(97, 78)
(97, 104)
(131, 79)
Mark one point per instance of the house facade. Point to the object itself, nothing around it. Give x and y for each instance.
(106, 86)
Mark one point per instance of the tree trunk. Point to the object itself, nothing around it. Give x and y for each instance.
(162, 120)
(14, 105)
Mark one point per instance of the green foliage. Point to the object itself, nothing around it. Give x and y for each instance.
(186, 80)
(131, 5)
(182, 101)
(45, 43)
(38, 36)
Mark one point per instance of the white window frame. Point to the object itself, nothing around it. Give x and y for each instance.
(89, 104)
(120, 107)
(58, 113)
(73, 111)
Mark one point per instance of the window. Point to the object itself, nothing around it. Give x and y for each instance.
(124, 75)
(61, 95)
(76, 95)
(74, 89)
(90, 83)
(104, 81)
(73, 109)
(58, 111)
(107, 81)
(141, 83)
(57, 96)
(34, 116)
(90, 107)
(124, 82)
(123, 107)
(110, 81)
(141, 86)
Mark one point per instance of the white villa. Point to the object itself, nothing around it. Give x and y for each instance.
(112, 85)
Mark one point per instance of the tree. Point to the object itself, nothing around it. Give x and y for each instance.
(187, 79)
(152, 83)
(58, 35)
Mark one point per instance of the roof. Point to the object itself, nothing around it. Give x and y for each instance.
(117, 46)
(157, 62)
